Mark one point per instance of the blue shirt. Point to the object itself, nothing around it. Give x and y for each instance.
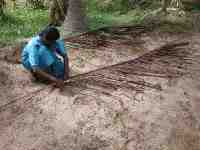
(36, 54)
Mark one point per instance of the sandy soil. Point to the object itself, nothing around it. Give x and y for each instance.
(124, 120)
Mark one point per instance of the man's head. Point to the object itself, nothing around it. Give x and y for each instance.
(49, 35)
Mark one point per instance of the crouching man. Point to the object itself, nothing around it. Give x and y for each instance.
(45, 57)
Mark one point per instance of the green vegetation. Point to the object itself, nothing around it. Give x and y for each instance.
(116, 12)
(21, 23)
(100, 19)
(25, 21)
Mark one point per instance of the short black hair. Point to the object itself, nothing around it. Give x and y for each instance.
(51, 33)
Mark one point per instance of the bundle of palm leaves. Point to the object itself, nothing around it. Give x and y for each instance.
(2, 5)
(168, 61)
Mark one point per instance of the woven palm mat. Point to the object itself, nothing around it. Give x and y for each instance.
(169, 61)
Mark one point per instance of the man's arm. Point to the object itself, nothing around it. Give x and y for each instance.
(66, 65)
(48, 77)
(61, 51)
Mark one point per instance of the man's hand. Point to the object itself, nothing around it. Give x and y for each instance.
(66, 66)
(66, 76)
(59, 83)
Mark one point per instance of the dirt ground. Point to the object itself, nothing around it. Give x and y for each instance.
(124, 119)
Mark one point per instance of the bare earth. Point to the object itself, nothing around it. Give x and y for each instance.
(167, 119)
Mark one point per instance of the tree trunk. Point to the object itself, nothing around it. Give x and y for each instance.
(2, 4)
(177, 3)
(76, 19)
(165, 5)
(57, 12)
(13, 4)
(173, 3)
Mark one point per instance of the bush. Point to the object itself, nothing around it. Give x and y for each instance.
(122, 6)
(2, 5)
(22, 23)
(108, 5)
(36, 4)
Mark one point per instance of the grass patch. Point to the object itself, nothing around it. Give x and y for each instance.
(21, 23)
(97, 19)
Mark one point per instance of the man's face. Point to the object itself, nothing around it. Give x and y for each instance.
(49, 44)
